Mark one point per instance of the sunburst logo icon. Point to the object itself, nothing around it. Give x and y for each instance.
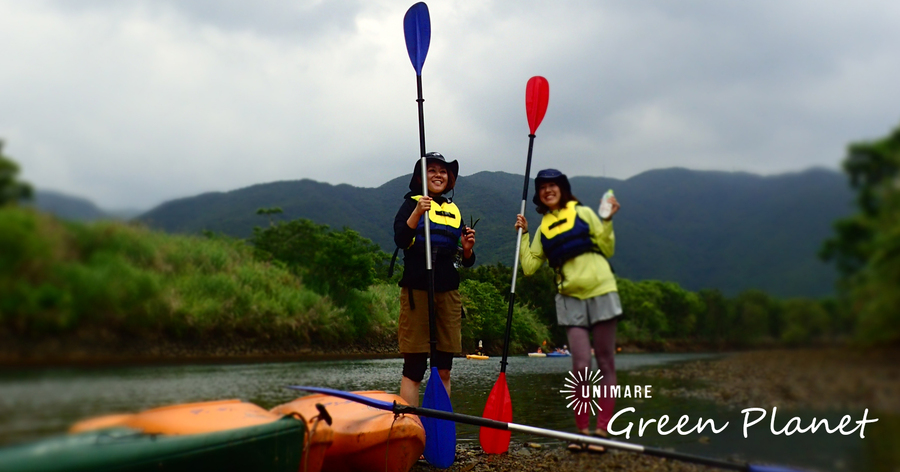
(578, 391)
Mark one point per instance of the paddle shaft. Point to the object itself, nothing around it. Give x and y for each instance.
(432, 329)
(397, 408)
(512, 287)
(421, 102)
(478, 421)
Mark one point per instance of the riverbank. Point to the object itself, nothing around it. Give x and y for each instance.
(102, 347)
(842, 379)
(96, 347)
(99, 348)
(819, 379)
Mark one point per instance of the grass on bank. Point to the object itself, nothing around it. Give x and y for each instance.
(58, 277)
(62, 278)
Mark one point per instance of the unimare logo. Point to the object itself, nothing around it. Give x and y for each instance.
(583, 389)
(581, 401)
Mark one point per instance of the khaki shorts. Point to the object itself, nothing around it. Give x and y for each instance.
(413, 327)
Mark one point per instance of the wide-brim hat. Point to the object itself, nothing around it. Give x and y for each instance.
(452, 167)
(550, 175)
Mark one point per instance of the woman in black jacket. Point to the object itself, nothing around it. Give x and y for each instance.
(451, 243)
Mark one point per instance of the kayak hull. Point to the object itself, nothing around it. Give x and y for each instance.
(365, 438)
(261, 441)
(477, 357)
(536, 354)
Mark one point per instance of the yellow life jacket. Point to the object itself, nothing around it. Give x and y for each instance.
(564, 235)
(446, 228)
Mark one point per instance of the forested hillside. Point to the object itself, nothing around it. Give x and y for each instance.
(730, 231)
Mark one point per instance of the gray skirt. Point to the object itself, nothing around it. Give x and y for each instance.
(572, 311)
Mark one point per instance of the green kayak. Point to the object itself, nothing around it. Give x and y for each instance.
(229, 435)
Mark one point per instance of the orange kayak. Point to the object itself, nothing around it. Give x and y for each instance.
(202, 419)
(364, 437)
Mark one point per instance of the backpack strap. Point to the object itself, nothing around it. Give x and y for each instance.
(393, 261)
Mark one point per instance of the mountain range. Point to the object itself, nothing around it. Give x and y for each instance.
(69, 207)
(731, 231)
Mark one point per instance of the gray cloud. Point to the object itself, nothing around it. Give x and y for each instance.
(133, 103)
(306, 19)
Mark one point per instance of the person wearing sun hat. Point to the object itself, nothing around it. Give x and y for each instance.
(451, 240)
(577, 243)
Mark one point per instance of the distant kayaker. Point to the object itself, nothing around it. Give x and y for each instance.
(452, 244)
(577, 243)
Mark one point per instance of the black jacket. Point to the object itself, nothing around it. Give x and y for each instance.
(446, 278)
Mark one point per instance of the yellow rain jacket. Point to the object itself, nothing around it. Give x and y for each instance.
(585, 276)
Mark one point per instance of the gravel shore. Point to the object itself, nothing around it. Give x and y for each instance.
(809, 378)
(819, 379)
(524, 457)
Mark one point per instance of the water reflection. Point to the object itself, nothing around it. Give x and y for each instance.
(35, 403)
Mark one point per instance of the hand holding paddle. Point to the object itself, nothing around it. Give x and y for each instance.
(499, 404)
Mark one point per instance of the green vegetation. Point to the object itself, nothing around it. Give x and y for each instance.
(486, 312)
(662, 312)
(58, 278)
(11, 189)
(299, 282)
(303, 282)
(338, 264)
(866, 247)
(699, 229)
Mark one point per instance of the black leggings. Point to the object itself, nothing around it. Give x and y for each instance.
(414, 364)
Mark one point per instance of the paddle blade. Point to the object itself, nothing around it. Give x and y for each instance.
(498, 408)
(537, 94)
(417, 29)
(440, 435)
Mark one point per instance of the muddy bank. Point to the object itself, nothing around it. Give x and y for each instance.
(100, 347)
(105, 348)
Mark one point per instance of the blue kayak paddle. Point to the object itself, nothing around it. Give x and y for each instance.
(440, 435)
(423, 413)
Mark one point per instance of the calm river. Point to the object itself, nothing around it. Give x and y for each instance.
(40, 402)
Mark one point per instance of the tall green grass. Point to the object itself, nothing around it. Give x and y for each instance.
(58, 277)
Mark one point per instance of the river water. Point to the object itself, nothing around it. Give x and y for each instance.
(39, 402)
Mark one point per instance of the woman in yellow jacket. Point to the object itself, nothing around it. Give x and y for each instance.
(577, 243)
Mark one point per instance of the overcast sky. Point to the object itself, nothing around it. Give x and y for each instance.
(132, 103)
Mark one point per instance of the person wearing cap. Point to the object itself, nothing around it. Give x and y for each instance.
(452, 243)
(577, 243)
